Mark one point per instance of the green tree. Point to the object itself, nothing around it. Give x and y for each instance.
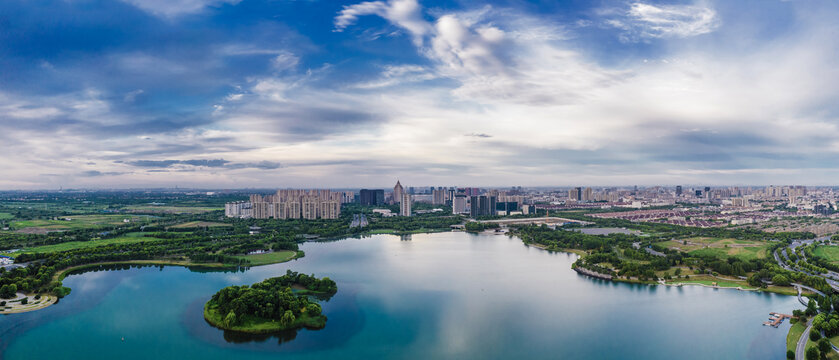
(790, 354)
(313, 309)
(780, 280)
(812, 354)
(287, 319)
(824, 346)
(230, 319)
(815, 335)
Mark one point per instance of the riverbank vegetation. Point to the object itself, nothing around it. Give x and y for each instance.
(678, 255)
(270, 305)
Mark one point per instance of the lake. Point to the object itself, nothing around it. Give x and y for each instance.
(445, 295)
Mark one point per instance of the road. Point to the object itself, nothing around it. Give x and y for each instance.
(802, 341)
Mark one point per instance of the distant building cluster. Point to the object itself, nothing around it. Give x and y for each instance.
(289, 204)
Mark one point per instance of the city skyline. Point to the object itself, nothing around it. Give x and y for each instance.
(261, 94)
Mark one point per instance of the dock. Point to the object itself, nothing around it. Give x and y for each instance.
(775, 319)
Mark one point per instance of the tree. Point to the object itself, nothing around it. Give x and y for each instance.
(812, 354)
(790, 354)
(815, 335)
(824, 346)
(780, 280)
(678, 272)
(230, 319)
(287, 319)
(811, 308)
(313, 309)
(24, 301)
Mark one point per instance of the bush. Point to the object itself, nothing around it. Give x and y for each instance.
(24, 301)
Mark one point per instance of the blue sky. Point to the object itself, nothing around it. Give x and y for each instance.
(283, 93)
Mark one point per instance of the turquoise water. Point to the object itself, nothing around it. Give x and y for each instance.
(445, 295)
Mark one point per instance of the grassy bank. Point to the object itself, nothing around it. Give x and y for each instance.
(255, 325)
(270, 258)
(794, 334)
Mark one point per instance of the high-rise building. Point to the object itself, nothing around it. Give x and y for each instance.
(405, 204)
(372, 197)
(587, 195)
(438, 196)
(294, 204)
(459, 204)
(483, 205)
(679, 190)
(398, 190)
(575, 194)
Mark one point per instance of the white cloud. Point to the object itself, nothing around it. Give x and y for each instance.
(666, 21)
(173, 8)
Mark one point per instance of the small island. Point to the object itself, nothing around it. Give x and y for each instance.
(275, 304)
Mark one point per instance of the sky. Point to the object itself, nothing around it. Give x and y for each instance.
(284, 93)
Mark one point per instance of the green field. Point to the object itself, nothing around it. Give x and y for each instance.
(270, 258)
(6, 216)
(829, 253)
(72, 245)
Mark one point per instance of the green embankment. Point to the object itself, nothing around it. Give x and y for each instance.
(270, 258)
(255, 325)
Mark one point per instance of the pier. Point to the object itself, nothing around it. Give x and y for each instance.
(775, 319)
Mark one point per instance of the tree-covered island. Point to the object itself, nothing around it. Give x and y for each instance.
(272, 305)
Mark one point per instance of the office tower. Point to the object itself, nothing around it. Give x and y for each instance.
(482, 205)
(372, 197)
(405, 204)
(678, 190)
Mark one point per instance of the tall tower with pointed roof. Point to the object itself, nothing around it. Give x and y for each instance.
(397, 192)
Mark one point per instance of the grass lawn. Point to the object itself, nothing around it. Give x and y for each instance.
(270, 258)
(720, 283)
(794, 334)
(829, 253)
(719, 247)
(71, 245)
(6, 216)
(196, 224)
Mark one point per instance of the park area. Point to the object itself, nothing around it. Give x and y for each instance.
(719, 247)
